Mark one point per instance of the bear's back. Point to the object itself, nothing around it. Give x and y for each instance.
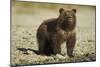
(51, 24)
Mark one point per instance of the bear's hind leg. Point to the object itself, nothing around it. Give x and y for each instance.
(41, 46)
(56, 46)
(48, 48)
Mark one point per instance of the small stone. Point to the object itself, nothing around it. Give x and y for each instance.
(25, 52)
(60, 56)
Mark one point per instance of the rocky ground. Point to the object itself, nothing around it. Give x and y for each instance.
(24, 47)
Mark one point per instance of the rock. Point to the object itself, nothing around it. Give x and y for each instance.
(60, 56)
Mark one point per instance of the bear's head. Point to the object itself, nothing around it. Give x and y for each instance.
(67, 16)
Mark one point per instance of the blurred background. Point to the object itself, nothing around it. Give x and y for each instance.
(24, 13)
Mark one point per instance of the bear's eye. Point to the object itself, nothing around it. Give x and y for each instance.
(68, 13)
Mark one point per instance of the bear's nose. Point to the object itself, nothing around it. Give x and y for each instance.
(69, 16)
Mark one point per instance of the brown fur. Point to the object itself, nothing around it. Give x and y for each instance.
(53, 32)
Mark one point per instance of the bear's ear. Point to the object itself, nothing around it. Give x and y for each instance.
(74, 10)
(61, 10)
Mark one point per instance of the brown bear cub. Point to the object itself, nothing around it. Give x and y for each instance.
(53, 32)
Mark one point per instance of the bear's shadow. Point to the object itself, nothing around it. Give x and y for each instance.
(25, 50)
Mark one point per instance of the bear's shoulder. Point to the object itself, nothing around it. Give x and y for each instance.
(50, 20)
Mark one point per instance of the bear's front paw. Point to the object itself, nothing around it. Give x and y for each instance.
(71, 56)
